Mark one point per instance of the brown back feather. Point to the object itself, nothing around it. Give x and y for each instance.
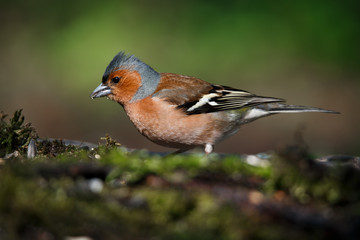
(180, 89)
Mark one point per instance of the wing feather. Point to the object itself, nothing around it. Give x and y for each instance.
(195, 96)
(222, 98)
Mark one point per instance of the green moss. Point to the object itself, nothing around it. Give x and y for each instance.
(44, 194)
(139, 195)
(296, 172)
(14, 134)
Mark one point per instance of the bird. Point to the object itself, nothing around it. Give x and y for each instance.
(180, 111)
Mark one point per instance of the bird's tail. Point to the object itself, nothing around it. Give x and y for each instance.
(273, 108)
(284, 108)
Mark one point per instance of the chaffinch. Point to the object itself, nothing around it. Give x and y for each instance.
(180, 111)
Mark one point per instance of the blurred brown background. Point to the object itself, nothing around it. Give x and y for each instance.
(53, 54)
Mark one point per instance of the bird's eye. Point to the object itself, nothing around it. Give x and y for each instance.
(115, 79)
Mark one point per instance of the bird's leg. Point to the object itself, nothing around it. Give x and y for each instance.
(208, 149)
(180, 151)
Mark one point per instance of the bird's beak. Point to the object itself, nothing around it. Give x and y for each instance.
(101, 91)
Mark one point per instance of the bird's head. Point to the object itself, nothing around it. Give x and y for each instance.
(127, 79)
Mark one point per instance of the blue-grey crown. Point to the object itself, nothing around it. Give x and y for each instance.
(149, 77)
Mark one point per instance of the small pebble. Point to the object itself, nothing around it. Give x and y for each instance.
(78, 238)
(10, 155)
(96, 185)
(256, 161)
(31, 150)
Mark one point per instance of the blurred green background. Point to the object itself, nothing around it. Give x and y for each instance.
(53, 54)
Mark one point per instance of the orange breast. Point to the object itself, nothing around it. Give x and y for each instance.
(163, 124)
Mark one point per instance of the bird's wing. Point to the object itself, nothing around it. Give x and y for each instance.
(196, 96)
